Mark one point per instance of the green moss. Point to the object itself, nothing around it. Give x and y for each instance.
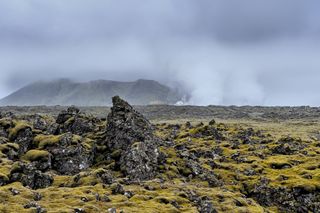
(70, 120)
(6, 123)
(36, 155)
(99, 172)
(3, 140)
(4, 177)
(8, 146)
(101, 148)
(42, 141)
(76, 139)
(195, 131)
(116, 154)
(19, 126)
(171, 185)
(15, 167)
(88, 143)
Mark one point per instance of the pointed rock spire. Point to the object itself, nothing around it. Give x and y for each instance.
(131, 136)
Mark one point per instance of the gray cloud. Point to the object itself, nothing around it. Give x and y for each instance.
(224, 52)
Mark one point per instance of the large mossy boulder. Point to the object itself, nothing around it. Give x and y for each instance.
(22, 135)
(131, 136)
(30, 176)
(69, 155)
(72, 120)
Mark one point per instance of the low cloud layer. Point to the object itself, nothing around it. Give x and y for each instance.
(224, 52)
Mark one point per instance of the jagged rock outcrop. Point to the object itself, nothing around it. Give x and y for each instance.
(288, 146)
(40, 123)
(204, 205)
(72, 120)
(24, 139)
(67, 114)
(299, 199)
(140, 161)
(131, 135)
(70, 156)
(29, 176)
(3, 179)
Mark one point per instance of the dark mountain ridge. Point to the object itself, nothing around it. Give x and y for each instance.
(92, 93)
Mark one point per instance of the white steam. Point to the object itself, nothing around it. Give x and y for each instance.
(222, 52)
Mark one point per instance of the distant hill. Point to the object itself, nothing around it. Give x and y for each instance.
(93, 93)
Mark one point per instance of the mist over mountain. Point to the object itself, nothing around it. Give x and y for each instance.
(92, 93)
(231, 52)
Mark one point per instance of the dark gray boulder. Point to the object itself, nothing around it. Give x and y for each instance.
(140, 161)
(72, 120)
(288, 146)
(204, 204)
(70, 157)
(29, 176)
(3, 132)
(40, 123)
(297, 199)
(126, 126)
(131, 136)
(24, 139)
(66, 114)
(3, 179)
(105, 176)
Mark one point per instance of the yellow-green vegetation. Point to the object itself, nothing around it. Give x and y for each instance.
(247, 162)
(238, 152)
(35, 155)
(18, 126)
(4, 177)
(65, 199)
(5, 122)
(5, 147)
(42, 141)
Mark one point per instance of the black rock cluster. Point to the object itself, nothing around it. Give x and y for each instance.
(129, 139)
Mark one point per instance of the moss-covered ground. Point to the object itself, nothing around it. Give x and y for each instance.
(240, 155)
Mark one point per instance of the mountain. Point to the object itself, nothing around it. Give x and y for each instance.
(93, 93)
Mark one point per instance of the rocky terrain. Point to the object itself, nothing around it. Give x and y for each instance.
(159, 159)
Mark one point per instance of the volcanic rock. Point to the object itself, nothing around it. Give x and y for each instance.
(29, 176)
(71, 120)
(70, 157)
(131, 135)
(66, 114)
(24, 138)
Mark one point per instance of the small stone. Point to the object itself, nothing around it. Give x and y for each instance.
(105, 198)
(14, 191)
(106, 178)
(97, 196)
(188, 125)
(84, 199)
(149, 187)
(117, 189)
(128, 194)
(112, 210)
(79, 210)
(37, 196)
(212, 122)
(32, 204)
(175, 204)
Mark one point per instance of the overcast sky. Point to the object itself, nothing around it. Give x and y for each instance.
(257, 52)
